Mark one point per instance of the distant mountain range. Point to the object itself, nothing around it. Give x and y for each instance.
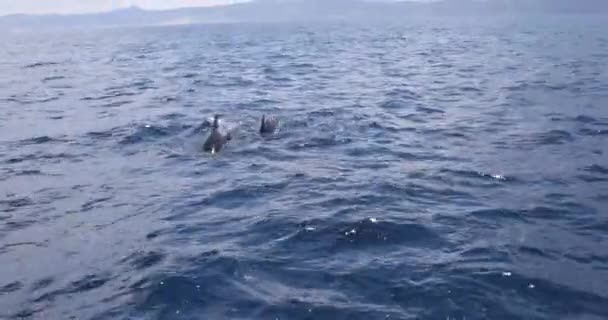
(301, 10)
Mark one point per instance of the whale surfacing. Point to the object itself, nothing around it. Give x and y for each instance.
(268, 125)
(216, 140)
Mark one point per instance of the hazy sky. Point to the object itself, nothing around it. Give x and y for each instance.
(79, 6)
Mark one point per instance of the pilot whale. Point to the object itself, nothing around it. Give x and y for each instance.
(268, 125)
(216, 140)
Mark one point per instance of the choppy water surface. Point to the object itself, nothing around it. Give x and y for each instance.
(427, 170)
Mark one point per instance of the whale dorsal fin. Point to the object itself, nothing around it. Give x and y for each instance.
(268, 125)
(216, 121)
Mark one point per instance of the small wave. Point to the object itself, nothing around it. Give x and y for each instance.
(149, 132)
(269, 70)
(403, 94)
(540, 291)
(109, 96)
(168, 98)
(414, 117)
(41, 140)
(280, 79)
(428, 110)
(493, 216)
(28, 101)
(142, 84)
(473, 178)
(173, 116)
(87, 283)
(585, 119)
(199, 291)
(101, 134)
(368, 232)
(231, 199)
(556, 87)
(189, 75)
(477, 253)
(596, 168)
(602, 225)
(55, 157)
(394, 104)
(279, 56)
(324, 113)
(475, 174)
(455, 134)
(27, 313)
(535, 252)
(155, 234)
(52, 78)
(15, 203)
(554, 137)
(324, 235)
(42, 283)
(115, 104)
(423, 193)
(95, 203)
(141, 260)
(593, 132)
(38, 140)
(8, 246)
(29, 173)
(552, 212)
(517, 87)
(11, 287)
(40, 64)
(16, 225)
(301, 65)
(223, 83)
(262, 102)
(318, 142)
(592, 178)
(470, 89)
(384, 126)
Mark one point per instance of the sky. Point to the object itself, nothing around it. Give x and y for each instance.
(82, 6)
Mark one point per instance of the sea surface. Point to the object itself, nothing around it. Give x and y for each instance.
(430, 169)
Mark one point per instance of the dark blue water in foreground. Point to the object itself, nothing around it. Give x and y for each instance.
(452, 169)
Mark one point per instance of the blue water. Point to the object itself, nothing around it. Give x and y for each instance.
(433, 169)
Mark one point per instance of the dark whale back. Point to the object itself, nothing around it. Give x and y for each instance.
(216, 140)
(268, 125)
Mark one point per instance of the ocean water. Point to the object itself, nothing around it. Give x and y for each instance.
(430, 169)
